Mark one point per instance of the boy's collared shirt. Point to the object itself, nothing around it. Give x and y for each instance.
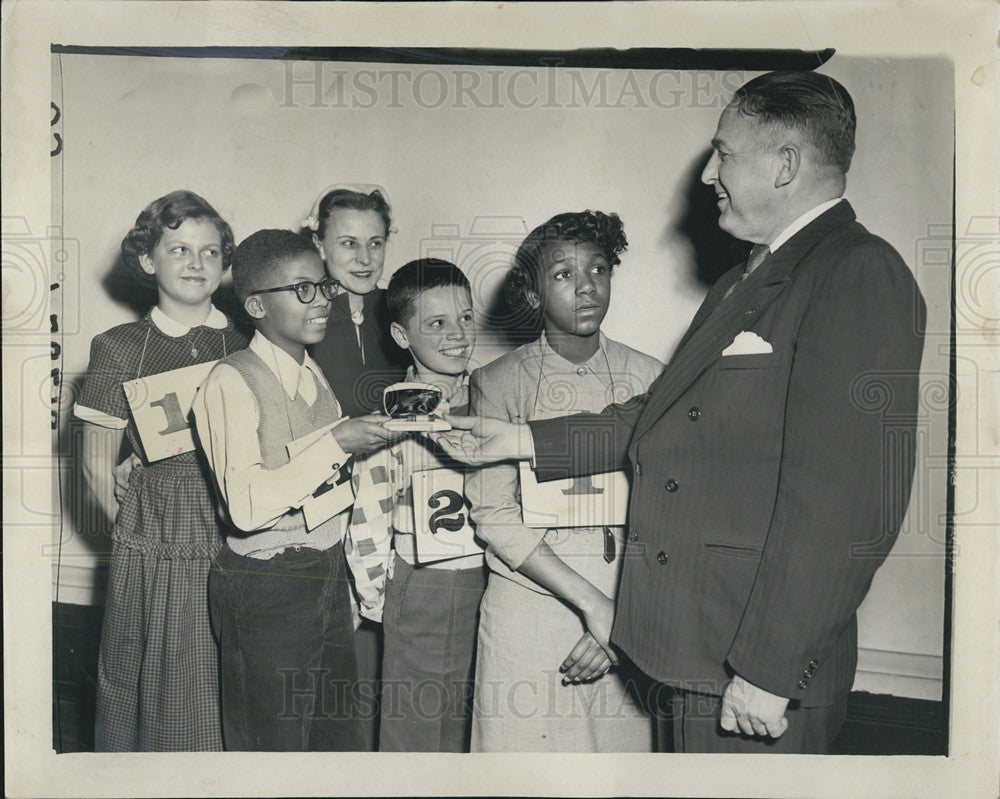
(227, 418)
(383, 506)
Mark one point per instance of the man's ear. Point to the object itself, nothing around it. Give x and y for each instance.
(254, 305)
(789, 161)
(147, 264)
(399, 335)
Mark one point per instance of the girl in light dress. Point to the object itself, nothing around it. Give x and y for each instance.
(550, 597)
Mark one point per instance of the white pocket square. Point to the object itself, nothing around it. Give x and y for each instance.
(747, 343)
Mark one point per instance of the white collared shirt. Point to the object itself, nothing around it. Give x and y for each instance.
(294, 377)
(801, 222)
(171, 327)
(227, 417)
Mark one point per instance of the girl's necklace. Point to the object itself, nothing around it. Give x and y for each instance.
(358, 317)
(581, 370)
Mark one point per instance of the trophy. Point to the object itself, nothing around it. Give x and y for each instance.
(414, 407)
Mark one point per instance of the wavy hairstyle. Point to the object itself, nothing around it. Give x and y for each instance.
(810, 102)
(171, 211)
(605, 230)
(353, 200)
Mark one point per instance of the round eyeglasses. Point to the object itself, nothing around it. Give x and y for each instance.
(306, 290)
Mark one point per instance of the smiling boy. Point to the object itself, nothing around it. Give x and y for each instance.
(429, 610)
(278, 590)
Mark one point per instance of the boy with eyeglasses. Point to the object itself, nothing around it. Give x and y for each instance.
(278, 590)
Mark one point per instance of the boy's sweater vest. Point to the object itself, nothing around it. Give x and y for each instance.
(281, 421)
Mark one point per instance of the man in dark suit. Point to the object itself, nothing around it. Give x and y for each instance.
(773, 458)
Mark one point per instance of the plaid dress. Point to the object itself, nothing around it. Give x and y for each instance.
(158, 687)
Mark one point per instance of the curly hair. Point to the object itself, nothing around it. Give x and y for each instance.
(605, 230)
(354, 200)
(171, 211)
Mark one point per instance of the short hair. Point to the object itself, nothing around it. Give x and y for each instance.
(261, 254)
(352, 200)
(413, 279)
(809, 102)
(605, 230)
(171, 211)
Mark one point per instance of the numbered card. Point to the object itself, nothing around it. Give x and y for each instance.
(441, 516)
(592, 501)
(331, 498)
(161, 408)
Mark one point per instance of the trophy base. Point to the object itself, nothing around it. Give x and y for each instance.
(424, 425)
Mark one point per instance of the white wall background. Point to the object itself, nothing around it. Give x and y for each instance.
(468, 173)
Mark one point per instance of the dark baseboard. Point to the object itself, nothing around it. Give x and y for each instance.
(877, 724)
(76, 637)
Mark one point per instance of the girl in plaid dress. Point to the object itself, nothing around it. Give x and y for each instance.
(158, 665)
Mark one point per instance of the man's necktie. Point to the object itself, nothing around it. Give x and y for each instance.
(757, 255)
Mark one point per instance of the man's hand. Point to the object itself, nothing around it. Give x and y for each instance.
(480, 440)
(364, 434)
(752, 710)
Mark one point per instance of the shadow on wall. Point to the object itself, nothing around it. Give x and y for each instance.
(513, 323)
(130, 287)
(136, 291)
(714, 251)
(84, 518)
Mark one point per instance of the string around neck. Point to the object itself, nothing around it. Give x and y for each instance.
(541, 371)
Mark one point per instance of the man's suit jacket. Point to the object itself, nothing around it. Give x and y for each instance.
(767, 488)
